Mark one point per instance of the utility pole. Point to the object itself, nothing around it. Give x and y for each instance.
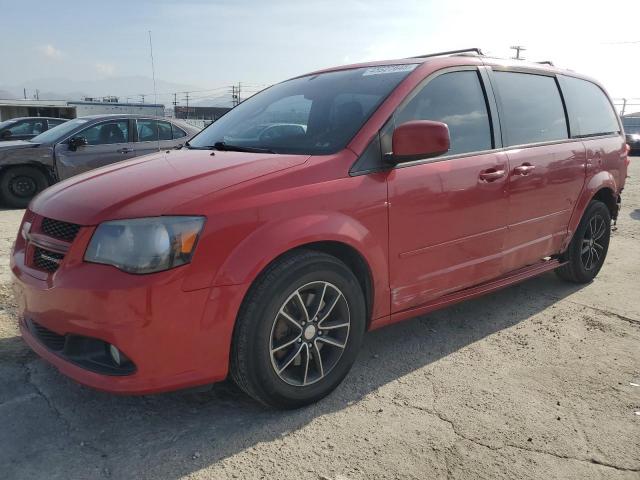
(518, 49)
(239, 97)
(142, 95)
(624, 106)
(37, 94)
(175, 104)
(24, 90)
(186, 97)
(234, 97)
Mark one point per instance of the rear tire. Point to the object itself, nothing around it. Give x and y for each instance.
(284, 357)
(588, 248)
(18, 185)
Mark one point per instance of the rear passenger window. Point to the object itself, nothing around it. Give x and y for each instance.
(590, 112)
(177, 132)
(152, 131)
(456, 99)
(532, 110)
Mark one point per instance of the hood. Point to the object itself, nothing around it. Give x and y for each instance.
(154, 184)
(17, 145)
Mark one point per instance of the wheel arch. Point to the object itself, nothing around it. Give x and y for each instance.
(607, 196)
(337, 235)
(601, 186)
(48, 171)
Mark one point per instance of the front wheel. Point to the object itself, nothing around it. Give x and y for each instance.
(18, 185)
(299, 330)
(588, 248)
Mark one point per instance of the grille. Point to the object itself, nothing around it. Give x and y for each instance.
(60, 230)
(48, 338)
(46, 260)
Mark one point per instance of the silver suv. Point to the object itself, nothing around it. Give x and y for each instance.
(79, 145)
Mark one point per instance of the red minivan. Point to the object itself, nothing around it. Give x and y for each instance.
(327, 205)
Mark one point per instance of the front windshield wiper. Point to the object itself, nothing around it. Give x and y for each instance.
(238, 148)
(191, 147)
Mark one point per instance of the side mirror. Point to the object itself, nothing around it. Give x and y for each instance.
(419, 139)
(76, 142)
(5, 135)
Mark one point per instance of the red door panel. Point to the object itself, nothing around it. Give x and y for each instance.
(447, 223)
(544, 185)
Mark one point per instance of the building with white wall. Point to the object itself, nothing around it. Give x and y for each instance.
(70, 109)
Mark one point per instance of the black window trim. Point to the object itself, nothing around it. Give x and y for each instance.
(492, 112)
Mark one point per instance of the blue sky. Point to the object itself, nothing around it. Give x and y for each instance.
(208, 44)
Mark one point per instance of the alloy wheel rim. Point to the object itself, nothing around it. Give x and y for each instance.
(592, 248)
(309, 333)
(23, 186)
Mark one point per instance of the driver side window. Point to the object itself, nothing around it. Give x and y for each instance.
(116, 131)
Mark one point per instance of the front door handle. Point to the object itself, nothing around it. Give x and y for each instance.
(125, 150)
(524, 169)
(491, 175)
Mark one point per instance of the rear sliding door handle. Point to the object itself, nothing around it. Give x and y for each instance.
(125, 150)
(491, 175)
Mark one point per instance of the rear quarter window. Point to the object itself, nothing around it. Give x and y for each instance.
(590, 111)
(531, 108)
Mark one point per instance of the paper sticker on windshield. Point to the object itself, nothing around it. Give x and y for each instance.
(381, 70)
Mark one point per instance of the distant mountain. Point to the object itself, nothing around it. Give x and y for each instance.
(58, 88)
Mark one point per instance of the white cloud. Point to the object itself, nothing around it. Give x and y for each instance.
(50, 51)
(105, 68)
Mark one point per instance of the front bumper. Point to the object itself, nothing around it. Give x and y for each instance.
(176, 339)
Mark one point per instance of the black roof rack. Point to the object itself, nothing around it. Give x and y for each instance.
(450, 52)
(546, 62)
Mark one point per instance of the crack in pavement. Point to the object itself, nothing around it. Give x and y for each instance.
(619, 316)
(509, 445)
(456, 431)
(47, 400)
(68, 427)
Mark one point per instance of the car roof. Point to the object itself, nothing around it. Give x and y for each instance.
(33, 118)
(123, 115)
(471, 56)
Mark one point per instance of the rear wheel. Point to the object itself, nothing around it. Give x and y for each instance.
(588, 248)
(18, 185)
(299, 330)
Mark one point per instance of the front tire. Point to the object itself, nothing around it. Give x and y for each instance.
(588, 248)
(18, 185)
(299, 330)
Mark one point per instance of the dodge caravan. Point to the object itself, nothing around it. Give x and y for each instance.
(411, 185)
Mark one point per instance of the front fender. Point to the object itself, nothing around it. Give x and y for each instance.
(597, 182)
(273, 239)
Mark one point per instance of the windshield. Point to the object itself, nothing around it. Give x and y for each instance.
(315, 114)
(56, 134)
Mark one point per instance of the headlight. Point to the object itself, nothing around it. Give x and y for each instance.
(145, 245)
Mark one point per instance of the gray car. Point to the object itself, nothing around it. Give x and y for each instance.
(25, 128)
(79, 145)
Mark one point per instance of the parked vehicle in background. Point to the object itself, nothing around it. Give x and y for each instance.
(417, 183)
(633, 140)
(26, 128)
(79, 145)
(631, 124)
